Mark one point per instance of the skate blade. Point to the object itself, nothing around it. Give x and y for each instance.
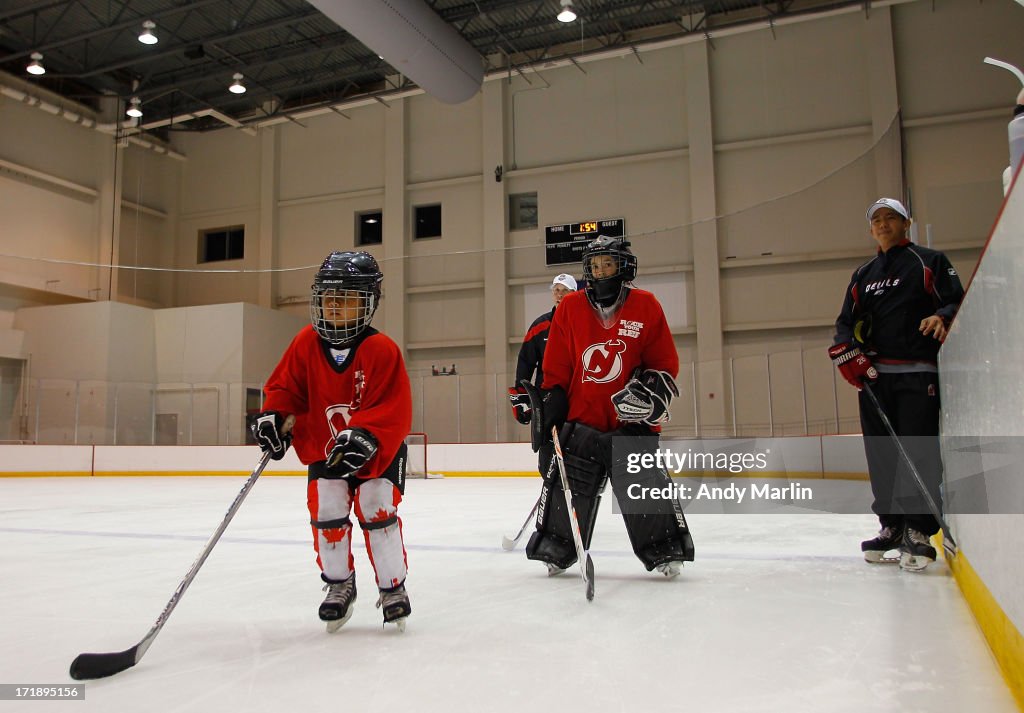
(399, 624)
(914, 563)
(334, 624)
(672, 570)
(876, 557)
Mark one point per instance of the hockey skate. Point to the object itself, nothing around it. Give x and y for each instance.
(888, 539)
(554, 569)
(337, 608)
(916, 551)
(395, 606)
(670, 569)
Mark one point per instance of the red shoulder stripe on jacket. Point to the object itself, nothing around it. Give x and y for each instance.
(537, 329)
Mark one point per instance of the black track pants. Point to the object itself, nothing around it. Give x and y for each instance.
(911, 401)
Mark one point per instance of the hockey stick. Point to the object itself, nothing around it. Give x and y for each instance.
(508, 543)
(89, 666)
(586, 564)
(948, 543)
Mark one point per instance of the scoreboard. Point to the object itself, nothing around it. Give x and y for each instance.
(564, 244)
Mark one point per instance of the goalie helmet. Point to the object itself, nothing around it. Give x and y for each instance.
(346, 292)
(608, 264)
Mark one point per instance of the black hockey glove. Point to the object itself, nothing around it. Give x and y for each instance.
(520, 401)
(556, 410)
(267, 430)
(646, 398)
(633, 404)
(353, 447)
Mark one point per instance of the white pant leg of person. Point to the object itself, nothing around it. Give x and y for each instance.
(330, 503)
(377, 511)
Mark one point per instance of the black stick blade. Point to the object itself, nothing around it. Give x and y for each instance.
(88, 666)
(590, 579)
(949, 546)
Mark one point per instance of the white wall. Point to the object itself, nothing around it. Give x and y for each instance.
(58, 181)
(983, 400)
(802, 107)
(109, 367)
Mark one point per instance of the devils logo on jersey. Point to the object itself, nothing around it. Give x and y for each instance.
(603, 362)
(337, 418)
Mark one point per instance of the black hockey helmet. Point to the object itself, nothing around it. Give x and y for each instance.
(608, 264)
(349, 283)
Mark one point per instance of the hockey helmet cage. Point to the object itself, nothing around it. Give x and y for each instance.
(346, 293)
(608, 264)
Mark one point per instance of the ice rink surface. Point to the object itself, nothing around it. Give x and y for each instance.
(779, 613)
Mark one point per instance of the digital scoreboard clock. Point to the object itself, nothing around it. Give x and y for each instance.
(564, 244)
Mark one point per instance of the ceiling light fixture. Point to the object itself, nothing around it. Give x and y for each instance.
(236, 86)
(134, 108)
(147, 37)
(567, 14)
(36, 65)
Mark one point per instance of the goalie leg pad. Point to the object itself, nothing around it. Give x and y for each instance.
(376, 504)
(330, 502)
(552, 542)
(656, 526)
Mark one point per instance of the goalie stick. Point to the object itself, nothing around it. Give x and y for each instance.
(948, 543)
(508, 543)
(88, 666)
(586, 564)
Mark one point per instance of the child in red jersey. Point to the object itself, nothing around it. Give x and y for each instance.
(346, 386)
(609, 378)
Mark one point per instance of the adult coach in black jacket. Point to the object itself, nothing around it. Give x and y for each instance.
(895, 314)
(531, 358)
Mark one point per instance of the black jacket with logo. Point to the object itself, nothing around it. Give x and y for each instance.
(889, 295)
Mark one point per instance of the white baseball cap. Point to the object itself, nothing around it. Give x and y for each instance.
(565, 280)
(887, 203)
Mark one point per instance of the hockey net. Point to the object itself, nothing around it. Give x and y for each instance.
(417, 465)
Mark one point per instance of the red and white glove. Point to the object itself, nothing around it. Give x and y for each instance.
(520, 400)
(852, 364)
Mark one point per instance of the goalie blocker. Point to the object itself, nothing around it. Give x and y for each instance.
(657, 528)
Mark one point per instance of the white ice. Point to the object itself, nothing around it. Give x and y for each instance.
(778, 613)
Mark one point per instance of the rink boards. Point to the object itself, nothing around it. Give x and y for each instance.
(807, 457)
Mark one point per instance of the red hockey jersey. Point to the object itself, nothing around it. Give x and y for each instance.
(592, 362)
(369, 389)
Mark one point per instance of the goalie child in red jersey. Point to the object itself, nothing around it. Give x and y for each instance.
(346, 386)
(609, 377)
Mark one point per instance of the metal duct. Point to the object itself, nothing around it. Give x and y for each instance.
(414, 40)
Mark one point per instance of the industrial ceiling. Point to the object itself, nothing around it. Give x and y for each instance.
(291, 57)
